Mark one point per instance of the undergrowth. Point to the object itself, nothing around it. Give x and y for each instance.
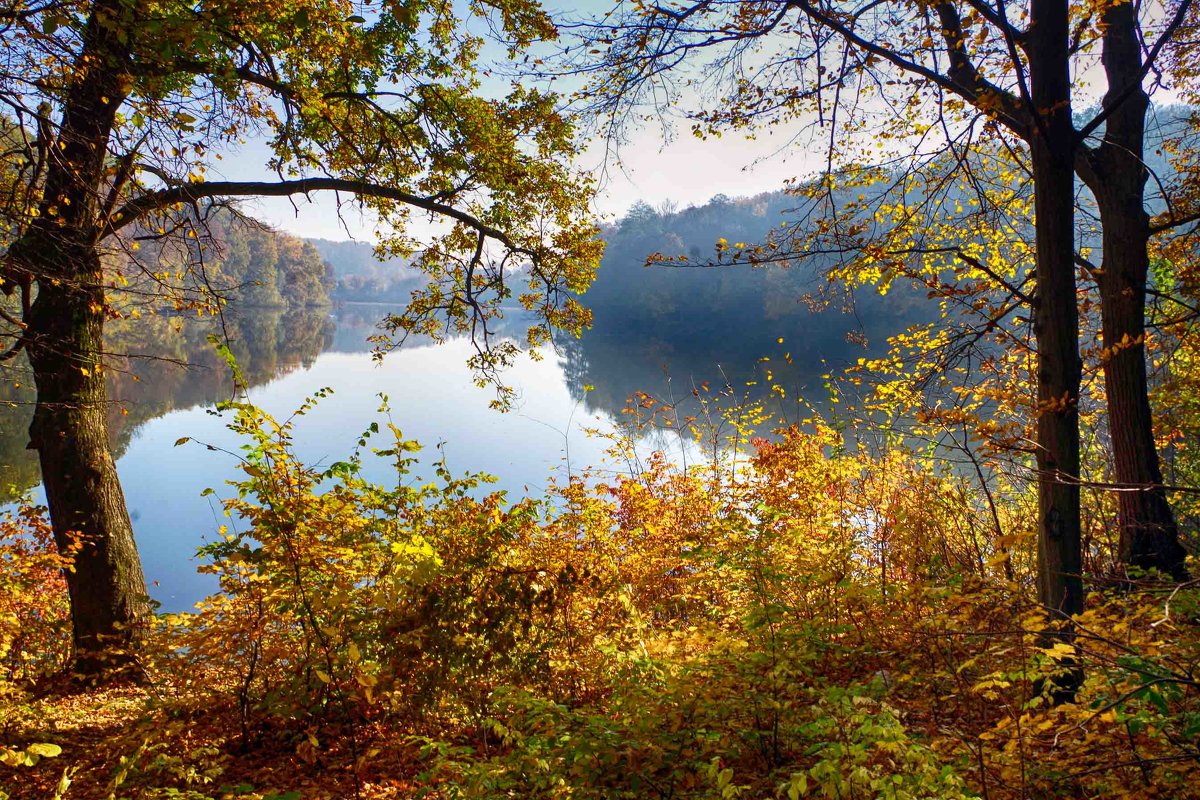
(812, 621)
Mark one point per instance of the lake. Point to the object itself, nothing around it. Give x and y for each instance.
(432, 399)
(287, 356)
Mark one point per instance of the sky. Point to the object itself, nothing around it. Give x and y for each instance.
(684, 170)
(687, 172)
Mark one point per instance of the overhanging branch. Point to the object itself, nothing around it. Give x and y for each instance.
(139, 206)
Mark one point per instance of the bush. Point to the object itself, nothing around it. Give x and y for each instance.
(35, 626)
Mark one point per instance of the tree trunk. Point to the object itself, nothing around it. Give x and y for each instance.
(64, 339)
(1056, 318)
(87, 506)
(1149, 536)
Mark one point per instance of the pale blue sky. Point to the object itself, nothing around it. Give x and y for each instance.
(685, 171)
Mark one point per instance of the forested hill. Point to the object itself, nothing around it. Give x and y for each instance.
(715, 324)
(273, 268)
(251, 264)
(245, 262)
(358, 276)
(707, 303)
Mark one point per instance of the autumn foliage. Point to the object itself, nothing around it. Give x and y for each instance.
(804, 618)
(34, 618)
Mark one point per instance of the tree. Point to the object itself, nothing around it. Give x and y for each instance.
(962, 73)
(1115, 171)
(121, 105)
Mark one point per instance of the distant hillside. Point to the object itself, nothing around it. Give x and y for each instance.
(359, 276)
(663, 329)
(706, 304)
(245, 262)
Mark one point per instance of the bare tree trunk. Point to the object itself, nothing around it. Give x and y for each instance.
(64, 339)
(1149, 535)
(87, 506)
(1056, 318)
(1117, 177)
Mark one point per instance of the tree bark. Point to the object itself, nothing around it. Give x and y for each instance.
(1056, 318)
(87, 507)
(1149, 537)
(64, 339)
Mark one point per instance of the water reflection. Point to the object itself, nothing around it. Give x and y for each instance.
(163, 389)
(782, 359)
(160, 364)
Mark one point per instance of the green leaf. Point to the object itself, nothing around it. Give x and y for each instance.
(44, 749)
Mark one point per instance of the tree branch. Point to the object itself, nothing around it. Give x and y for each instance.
(1166, 222)
(963, 78)
(986, 270)
(193, 192)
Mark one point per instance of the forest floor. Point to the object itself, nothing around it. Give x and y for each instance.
(123, 741)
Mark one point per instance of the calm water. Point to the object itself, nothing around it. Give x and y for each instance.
(287, 356)
(432, 399)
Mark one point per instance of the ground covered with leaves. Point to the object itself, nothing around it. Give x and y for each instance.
(801, 618)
